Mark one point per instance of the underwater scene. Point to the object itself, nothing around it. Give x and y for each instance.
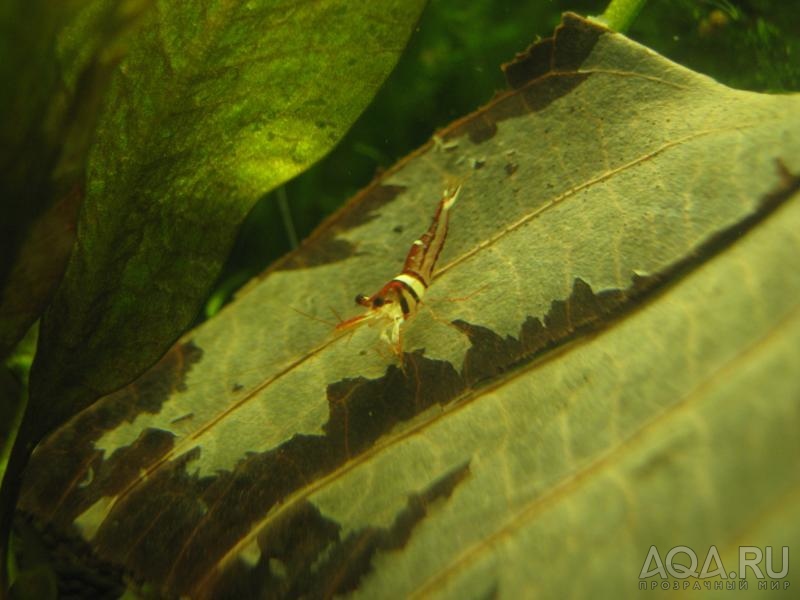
(399, 299)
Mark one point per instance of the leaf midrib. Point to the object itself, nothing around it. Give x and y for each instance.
(568, 194)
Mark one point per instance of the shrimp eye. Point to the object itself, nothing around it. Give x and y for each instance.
(377, 302)
(362, 300)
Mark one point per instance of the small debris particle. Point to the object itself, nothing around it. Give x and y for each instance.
(182, 418)
(478, 163)
(441, 145)
(511, 168)
(87, 479)
(398, 229)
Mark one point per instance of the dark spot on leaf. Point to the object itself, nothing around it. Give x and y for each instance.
(530, 64)
(478, 163)
(789, 185)
(237, 387)
(571, 45)
(482, 128)
(288, 550)
(349, 561)
(158, 523)
(490, 354)
(182, 418)
(398, 229)
(582, 312)
(547, 71)
(511, 168)
(315, 562)
(535, 96)
(328, 249)
(70, 451)
(539, 95)
(575, 39)
(123, 465)
(78, 571)
(324, 246)
(361, 410)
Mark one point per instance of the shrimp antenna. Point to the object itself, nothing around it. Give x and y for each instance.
(313, 318)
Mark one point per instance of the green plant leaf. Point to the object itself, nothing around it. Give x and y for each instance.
(211, 107)
(55, 61)
(601, 364)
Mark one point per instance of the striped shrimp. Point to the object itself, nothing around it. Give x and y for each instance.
(400, 298)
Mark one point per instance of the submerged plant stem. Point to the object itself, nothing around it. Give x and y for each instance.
(286, 216)
(620, 14)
